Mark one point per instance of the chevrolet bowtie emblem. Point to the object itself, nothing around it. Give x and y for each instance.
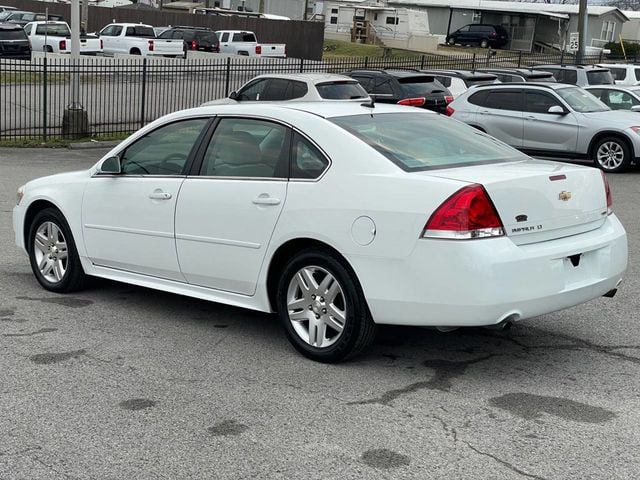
(564, 196)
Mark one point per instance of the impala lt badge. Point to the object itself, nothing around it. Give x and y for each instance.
(564, 196)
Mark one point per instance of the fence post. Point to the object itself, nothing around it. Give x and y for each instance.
(422, 62)
(562, 57)
(144, 92)
(473, 62)
(226, 83)
(302, 65)
(600, 58)
(44, 99)
(366, 62)
(519, 58)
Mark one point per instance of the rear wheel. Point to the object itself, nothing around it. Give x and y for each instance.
(484, 43)
(612, 155)
(52, 253)
(322, 308)
(135, 51)
(451, 41)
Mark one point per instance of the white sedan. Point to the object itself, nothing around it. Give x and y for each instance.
(337, 216)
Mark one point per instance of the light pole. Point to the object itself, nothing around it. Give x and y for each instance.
(582, 30)
(75, 122)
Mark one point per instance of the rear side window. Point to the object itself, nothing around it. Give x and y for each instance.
(618, 73)
(570, 76)
(479, 98)
(276, 90)
(307, 161)
(422, 141)
(637, 72)
(600, 77)
(298, 89)
(341, 90)
(505, 100)
(12, 35)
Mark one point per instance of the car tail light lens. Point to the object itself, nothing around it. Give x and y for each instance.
(607, 190)
(467, 214)
(194, 45)
(448, 99)
(493, 35)
(449, 111)
(258, 49)
(413, 102)
(151, 45)
(62, 45)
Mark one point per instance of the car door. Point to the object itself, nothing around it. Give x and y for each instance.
(228, 207)
(544, 131)
(502, 115)
(128, 218)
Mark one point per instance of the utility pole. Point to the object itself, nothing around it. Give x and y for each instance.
(582, 30)
(75, 122)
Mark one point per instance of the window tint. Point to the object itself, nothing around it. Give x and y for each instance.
(253, 91)
(366, 82)
(164, 151)
(341, 90)
(307, 161)
(298, 89)
(464, 29)
(140, 31)
(392, 20)
(276, 90)
(244, 37)
(505, 100)
(224, 37)
(570, 76)
(599, 77)
(637, 72)
(539, 102)
(420, 141)
(247, 148)
(479, 98)
(55, 29)
(167, 34)
(383, 87)
(446, 81)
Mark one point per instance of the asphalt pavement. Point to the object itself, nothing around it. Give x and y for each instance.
(122, 382)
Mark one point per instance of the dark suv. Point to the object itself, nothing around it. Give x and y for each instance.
(494, 36)
(14, 42)
(195, 38)
(404, 87)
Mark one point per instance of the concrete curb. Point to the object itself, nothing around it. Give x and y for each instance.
(96, 144)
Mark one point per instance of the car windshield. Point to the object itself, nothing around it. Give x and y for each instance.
(425, 141)
(600, 77)
(341, 90)
(12, 35)
(581, 101)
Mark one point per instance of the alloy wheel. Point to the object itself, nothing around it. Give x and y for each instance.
(610, 155)
(50, 250)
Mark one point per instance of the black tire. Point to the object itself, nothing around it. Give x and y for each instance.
(484, 43)
(135, 51)
(358, 329)
(616, 145)
(74, 277)
(451, 41)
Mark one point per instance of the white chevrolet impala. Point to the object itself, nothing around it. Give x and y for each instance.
(337, 216)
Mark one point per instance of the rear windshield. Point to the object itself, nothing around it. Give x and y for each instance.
(418, 86)
(57, 30)
(600, 77)
(244, 37)
(341, 90)
(140, 31)
(546, 77)
(479, 80)
(12, 34)
(424, 141)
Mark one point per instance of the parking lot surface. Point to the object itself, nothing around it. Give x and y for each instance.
(119, 381)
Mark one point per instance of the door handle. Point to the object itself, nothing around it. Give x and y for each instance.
(159, 196)
(266, 201)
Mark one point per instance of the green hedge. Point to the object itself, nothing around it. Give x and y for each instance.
(629, 48)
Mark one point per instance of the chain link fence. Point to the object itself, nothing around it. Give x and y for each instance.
(120, 95)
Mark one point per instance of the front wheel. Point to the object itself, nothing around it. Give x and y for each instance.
(484, 43)
(322, 307)
(612, 155)
(52, 253)
(451, 41)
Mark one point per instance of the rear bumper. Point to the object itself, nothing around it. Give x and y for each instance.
(482, 282)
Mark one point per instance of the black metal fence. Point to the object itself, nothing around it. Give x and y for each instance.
(120, 95)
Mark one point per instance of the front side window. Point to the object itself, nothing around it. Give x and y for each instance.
(253, 91)
(163, 151)
(539, 102)
(250, 148)
(421, 141)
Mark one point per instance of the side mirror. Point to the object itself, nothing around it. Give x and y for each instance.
(111, 166)
(556, 109)
(635, 108)
(233, 95)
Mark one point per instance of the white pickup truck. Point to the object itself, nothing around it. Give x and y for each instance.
(137, 39)
(55, 37)
(238, 42)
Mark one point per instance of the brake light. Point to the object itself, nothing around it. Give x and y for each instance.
(607, 190)
(449, 111)
(63, 45)
(258, 49)
(413, 102)
(151, 45)
(467, 214)
(448, 99)
(194, 45)
(493, 35)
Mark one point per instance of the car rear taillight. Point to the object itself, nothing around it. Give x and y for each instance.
(493, 35)
(194, 45)
(62, 45)
(449, 111)
(448, 99)
(151, 45)
(467, 214)
(413, 102)
(607, 190)
(258, 49)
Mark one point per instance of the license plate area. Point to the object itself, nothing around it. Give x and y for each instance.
(580, 268)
